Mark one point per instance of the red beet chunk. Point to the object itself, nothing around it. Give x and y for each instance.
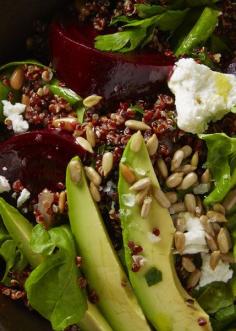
(38, 159)
(112, 75)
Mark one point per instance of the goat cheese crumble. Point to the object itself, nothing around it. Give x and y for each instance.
(13, 114)
(4, 185)
(201, 95)
(222, 272)
(24, 196)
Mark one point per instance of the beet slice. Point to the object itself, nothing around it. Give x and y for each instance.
(38, 159)
(112, 75)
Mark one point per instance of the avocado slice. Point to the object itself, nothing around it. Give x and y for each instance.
(101, 265)
(164, 301)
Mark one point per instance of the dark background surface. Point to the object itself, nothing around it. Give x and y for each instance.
(16, 23)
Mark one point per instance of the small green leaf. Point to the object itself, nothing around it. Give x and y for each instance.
(80, 111)
(153, 276)
(147, 10)
(137, 109)
(66, 93)
(41, 242)
(8, 252)
(121, 19)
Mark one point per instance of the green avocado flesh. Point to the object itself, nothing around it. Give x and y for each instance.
(164, 302)
(101, 265)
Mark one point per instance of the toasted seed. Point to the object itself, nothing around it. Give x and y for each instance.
(90, 136)
(93, 175)
(107, 163)
(215, 216)
(188, 181)
(62, 201)
(214, 259)
(177, 159)
(206, 177)
(180, 224)
(186, 168)
(216, 227)
(224, 241)
(190, 203)
(40, 92)
(172, 197)
(193, 279)
(146, 207)
(187, 151)
(230, 200)
(211, 242)
(195, 159)
(179, 240)
(174, 180)
(136, 142)
(141, 184)
(95, 192)
(47, 75)
(127, 173)
(84, 144)
(199, 207)
(152, 144)
(66, 123)
(162, 168)
(188, 265)
(161, 198)
(177, 208)
(207, 225)
(17, 79)
(218, 207)
(136, 125)
(75, 171)
(140, 196)
(92, 100)
(25, 100)
(227, 258)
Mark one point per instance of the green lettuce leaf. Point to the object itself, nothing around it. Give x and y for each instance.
(52, 287)
(221, 160)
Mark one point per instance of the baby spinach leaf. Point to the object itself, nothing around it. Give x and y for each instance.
(41, 242)
(227, 314)
(221, 160)
(52, 287)
(8, 252)
(147, 10)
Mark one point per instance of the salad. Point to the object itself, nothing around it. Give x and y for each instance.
(117, 168)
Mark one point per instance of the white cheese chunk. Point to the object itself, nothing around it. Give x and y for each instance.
(222, 272)
(13, 114)
(4, 185)
(24, 196)
(201, 95)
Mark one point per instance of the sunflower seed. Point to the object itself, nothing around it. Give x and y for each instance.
(188, 265)
(136, 142)
(107, 163)
(162, 168)
(193, 279)
(215, 216)
(140, 196)
(195, 159)
(188, 181)
(216, 227)
(180, 224)
(90, 136)
(127, 173)
(199, 208)
(207, 225)
(92, 101)
(187, 151)
(174, 180)
(17, 79)
(93, 175)
(25, 99)
(84, 144)
(211, 242)
(190, 203)
(218, 207)
(177, 208)
(65, 123)
(177, 159)
(214, 259)
(95, 192)
(146, 207)
(141, 184)
(159, 195)
(206, 177)
(172, 197)
(179, 240)
(186, 168)
(75, 171)
(224, 241)
(136, 125)
(230, 200)
(227, 258)
(152, 145)
(62, 201)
